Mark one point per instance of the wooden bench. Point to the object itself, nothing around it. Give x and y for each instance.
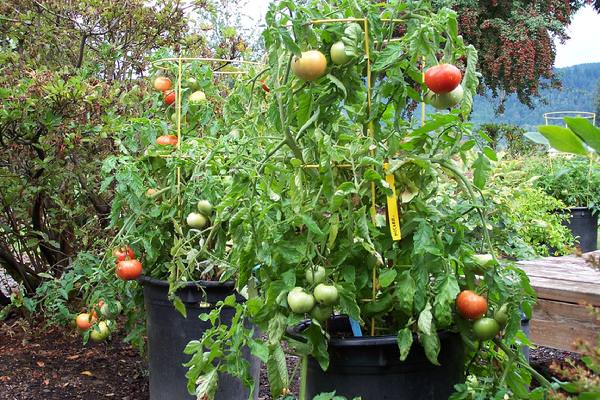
(563, 285)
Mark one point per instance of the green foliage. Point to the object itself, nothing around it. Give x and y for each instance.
(573, 180)
(305, 198)
(510, 139)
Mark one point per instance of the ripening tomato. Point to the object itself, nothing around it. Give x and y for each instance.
(162, 83)
(470, 305)
(167, 140)
(129, 269)
(443, 78)
(100, 332)
(123, 252)
(310, 66)
(198, 97)
(169, 97)
(84, 321)
(444, 101)
(321, 312)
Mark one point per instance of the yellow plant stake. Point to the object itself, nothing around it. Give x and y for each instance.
(392, 206)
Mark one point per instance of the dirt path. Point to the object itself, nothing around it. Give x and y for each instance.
(53, 364)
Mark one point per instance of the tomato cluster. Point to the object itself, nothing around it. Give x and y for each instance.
(200, 219)
(443, 82)
(474, 307)
(128, 267)
(320, 302)
(99, 330)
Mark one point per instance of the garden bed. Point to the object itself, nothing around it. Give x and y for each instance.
(53, 364)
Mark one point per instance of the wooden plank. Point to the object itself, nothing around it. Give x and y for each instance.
(556, 324)
(570, 292)
(572, 276)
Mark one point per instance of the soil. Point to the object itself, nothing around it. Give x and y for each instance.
(53, 364)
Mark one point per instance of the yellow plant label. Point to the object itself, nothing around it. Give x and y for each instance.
(392, 206)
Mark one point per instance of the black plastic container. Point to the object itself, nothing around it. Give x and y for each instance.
(169, 332)
(370, 367)
(584, 226)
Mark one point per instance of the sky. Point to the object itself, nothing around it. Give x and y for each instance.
(582, 47)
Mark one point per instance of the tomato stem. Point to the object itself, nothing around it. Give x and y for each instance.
(538, 377)
(303, 374)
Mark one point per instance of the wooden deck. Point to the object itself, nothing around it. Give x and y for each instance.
(563, 286)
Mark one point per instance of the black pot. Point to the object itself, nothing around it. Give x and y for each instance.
(169, 332)
(584, 226)
(370, 367)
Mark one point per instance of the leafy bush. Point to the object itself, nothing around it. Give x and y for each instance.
(511, 139)
(571, 179)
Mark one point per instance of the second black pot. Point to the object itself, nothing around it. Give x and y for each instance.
(169, 332)
(584, 226)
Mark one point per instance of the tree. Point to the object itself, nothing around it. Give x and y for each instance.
(515, 41)
(597, 101)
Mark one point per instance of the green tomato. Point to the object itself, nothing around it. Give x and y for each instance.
(501, 315)
(192, 83)
(112, 325)
(196, 220)
(299, 301)
(111, 310)
(483, 260)
(316, 275)
(205, 207)
(338, 53)
(198, 97)
(321, 312)
(326, 294)
(100, 332)
(444, 101)
(486, 328)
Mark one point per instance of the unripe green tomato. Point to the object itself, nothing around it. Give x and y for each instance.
(192, 83)
(196, 220)
(315, 275)
(198, 97)
(99, 332)
(501, 315)
(321, 312)
(486, 328)
(483, 260)
(205, 207)
(444, 101)
(299, 301)
(111, 310)
(326, 294)
(338, 53)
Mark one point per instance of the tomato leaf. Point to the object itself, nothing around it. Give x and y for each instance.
(386, 277)
(447, 291)
(347, 292)
(587, 132)
(179, 306)
(405, 291)
(481, 170)
(389, 56)
(563, 139)
(277, 369)
(405, 341)
(425, 321)
(319, 345)
(431, 344)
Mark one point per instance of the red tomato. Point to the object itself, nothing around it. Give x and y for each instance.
(129, 269)
(167, 140)
(169, 97)
(123, 252)
(162, 83)
(470, 305)
(443, 78)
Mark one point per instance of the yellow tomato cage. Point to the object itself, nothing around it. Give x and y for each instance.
(370, 128)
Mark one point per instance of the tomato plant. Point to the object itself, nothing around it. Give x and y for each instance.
(314, 194)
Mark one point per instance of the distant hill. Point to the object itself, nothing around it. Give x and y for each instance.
(577, 94)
